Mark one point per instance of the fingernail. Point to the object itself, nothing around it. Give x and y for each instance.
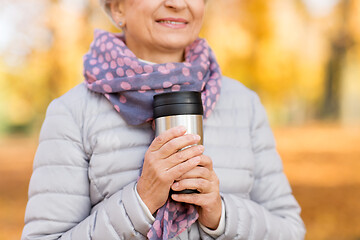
(182, 128)
(201, 148)
(197, 137)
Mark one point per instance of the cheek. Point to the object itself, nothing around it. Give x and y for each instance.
(136, 18)
(199, 20)
(132, 2)
(135, 9)
(199, 11)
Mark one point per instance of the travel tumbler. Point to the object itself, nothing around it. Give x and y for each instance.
(179, 109)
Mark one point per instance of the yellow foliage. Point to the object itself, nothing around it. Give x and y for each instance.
(272, 46)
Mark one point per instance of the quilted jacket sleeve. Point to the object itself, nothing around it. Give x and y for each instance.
(59, 204)
(272, 212)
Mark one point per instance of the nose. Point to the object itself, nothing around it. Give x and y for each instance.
(176, 4)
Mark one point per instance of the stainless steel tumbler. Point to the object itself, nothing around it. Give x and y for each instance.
(179, 109)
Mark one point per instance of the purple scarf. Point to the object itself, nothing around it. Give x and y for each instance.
(110, 68)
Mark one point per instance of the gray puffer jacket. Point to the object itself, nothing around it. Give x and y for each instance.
(89, 159)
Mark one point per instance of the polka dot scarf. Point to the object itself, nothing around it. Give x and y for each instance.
(110, 68)
(172, 219)
(129, 84)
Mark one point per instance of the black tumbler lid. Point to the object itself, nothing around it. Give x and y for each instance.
(177, 98)
(177, 103)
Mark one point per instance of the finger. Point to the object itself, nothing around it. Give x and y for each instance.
(206, 162)
(183, 155)
(200, 184)
(192, 198)
(166, 136)
(178, 170)
(175, 145)
(210, 207)
(198, 172)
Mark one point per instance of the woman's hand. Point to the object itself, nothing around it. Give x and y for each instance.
(203, 179)
(164, 163)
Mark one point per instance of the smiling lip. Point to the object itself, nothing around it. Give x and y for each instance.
(175, 23)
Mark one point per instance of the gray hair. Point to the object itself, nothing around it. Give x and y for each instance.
(105, 5)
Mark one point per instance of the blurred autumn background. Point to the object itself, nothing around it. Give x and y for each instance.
(301, 56)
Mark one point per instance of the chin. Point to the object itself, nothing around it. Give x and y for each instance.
(177, 43)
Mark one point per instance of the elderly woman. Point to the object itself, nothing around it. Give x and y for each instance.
(99, 172)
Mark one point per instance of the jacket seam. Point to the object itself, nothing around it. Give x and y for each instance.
(112, 128)
(265, 149)
(105, 112)
(47, 219)
(59, 139)
(57, 193)
(269, 174)
(222, 126)
(115, 173)
(232, 168)
(227, 145)
(276, 199)
(57, 165)
(120, 148)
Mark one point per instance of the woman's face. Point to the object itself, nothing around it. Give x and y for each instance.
(161, 26)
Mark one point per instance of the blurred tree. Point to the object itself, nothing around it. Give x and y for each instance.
(341, 42)
(50, 67)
